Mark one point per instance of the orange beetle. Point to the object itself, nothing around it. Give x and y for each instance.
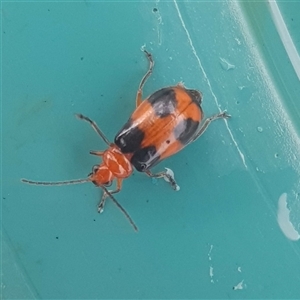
(160, 126)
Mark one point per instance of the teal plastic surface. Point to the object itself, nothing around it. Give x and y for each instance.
(232, 231)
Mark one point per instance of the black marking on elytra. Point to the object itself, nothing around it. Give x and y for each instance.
(185, 130)
(145, 158)
(163, 102)
(129, 138)
(195, 95)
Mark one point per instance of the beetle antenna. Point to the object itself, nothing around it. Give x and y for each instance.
(121, 208)
(75, 181)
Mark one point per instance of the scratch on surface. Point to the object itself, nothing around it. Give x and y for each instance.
(159, 22)
(208, 83)
(209, 253)
(22, 284)
(211, 269)
(211, 274)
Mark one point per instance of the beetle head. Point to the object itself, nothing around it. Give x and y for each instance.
(101, 175)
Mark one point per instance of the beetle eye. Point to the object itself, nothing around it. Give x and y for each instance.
(95, 169)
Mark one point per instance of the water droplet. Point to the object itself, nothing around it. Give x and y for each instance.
(259, 129)
(283, 219)
(154, 181)
(276, 155)
(238, 41)
(226, 65)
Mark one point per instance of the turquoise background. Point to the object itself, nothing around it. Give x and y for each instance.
(220, 230)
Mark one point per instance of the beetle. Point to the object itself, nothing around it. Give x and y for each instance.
(160, 126)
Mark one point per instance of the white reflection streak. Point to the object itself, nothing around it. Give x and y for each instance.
(208, 83)
(285, 37)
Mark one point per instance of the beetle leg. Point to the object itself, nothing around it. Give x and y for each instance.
(222, 115)
(95, 127)
(104, 196)
(98, 153)
(139, 94)
(164, 175)
(139, 99)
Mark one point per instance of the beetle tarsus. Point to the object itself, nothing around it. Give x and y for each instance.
(102, 203)
(171, 180)
(100, 209)
(166, 176)
(225, 115)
